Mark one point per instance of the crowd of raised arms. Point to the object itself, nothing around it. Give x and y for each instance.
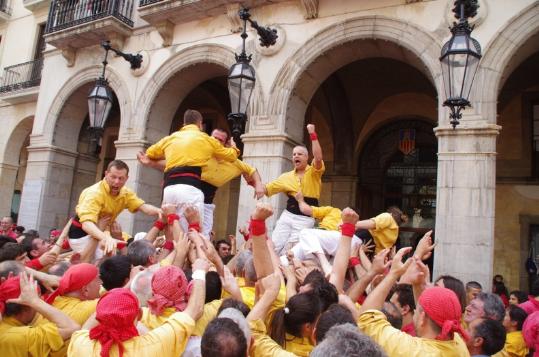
(321, 283)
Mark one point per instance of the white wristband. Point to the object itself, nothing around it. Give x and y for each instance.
(199, 275)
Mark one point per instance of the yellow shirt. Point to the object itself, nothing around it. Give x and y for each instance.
(167, 340)
(264, 346)
(289, 183)
(515, 346)
(386, 231)
(329, 217)
(300, 346)
(396, 343)
(17, 339)
(96, 201)
(189, 147)
(78, 310)
(218, 173)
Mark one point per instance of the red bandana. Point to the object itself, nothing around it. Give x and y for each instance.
(75, 278)
(169, 287)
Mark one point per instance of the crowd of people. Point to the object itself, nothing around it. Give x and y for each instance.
(322, 283)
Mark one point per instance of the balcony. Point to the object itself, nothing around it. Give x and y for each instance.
(21, 81)
(5, 10)
(164, 14)
(35, 5)
(74, 24)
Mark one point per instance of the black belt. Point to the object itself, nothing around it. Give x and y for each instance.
(209, 192)
(75, 230)
(185, 175)
(292, 205)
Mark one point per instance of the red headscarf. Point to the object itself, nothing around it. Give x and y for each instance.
(116, 312)
(443, 307)
(9, 289)
(170, 289)
(75, 278)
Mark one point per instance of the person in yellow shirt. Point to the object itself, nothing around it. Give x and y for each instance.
(383, 229)
(305, 178)
(185, 153)
(436, 319)
(19, 304)
(109, 197)
(113, 333)
(215, 173)
(515, 346)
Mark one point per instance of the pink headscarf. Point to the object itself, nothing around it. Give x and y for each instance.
(170, 289)
(530, 331)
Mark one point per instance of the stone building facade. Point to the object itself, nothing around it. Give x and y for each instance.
(365, 72)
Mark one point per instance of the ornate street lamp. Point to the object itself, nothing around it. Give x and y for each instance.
(460, 59)
(100, 98)
(241, 77)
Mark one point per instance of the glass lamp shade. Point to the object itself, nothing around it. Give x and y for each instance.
(241, 81)
(460, 59)
(99, 103)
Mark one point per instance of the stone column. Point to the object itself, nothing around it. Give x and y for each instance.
(271, 155)
(47, 188)
(465, 202)
(8, 176)
(145, 181)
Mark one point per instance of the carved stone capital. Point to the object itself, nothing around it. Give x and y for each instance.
(69, 53)
(310, 8)
(166, 31)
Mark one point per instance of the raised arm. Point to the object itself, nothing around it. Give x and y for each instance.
(379, 265)
(340, 264)
(195, 306)
(257, 229)
(316, 148)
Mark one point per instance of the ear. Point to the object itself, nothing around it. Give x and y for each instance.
(34, 253)
(405, 309)
(477, 341)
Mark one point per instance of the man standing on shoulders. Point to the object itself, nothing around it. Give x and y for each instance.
(186, 152)
(109, 197)
(305, 178)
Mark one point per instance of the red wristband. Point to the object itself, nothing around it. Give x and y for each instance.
(168, 245)
(195, 226)
(121, 245)
(159, 225)
(313, 136)
(257, 227)
(348, 229)
(353, 261)
(172, 217)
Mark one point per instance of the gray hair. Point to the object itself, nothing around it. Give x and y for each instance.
(236, 316)
(139, 252)
(241, 259)
(59, 268)
(141, 286)
(493, 306)
(346, 340)
(10, 266)
(249, 270)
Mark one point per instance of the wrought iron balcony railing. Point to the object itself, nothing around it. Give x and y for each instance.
(68, 13)
(5, 6)
(21, 76)
(148, 2)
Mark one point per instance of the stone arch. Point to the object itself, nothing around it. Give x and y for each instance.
(215, 59)
(499, 57)
(58, 129)
(16, 140)
(422, 50)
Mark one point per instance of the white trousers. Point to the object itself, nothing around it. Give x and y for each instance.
(319, 241)
(78, 245)
(208, 219)
(287, 230)
(183, 195)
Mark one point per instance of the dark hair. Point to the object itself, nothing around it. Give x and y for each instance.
(452, 283)
(518, 315)
(474, 285)
(520, 295)
(213, 286)
(499, 288)
(6, 239)
(335, 315)
(119, 165)
(220, 242)
(397, 215)
(139, 252)
(20, 229)
(405, 295)
(59, 268)
(321, 287)
(114, 271)
(223, 338)
(492, 306)
(235, 304)
(493, 334)
(192, 117)
(31, 233)
(13, 309)
(10, 251)
(28, 244)
(300, 309)
(393, 314)
(10, 266)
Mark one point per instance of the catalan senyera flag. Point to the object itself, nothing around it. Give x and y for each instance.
(407, 141)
